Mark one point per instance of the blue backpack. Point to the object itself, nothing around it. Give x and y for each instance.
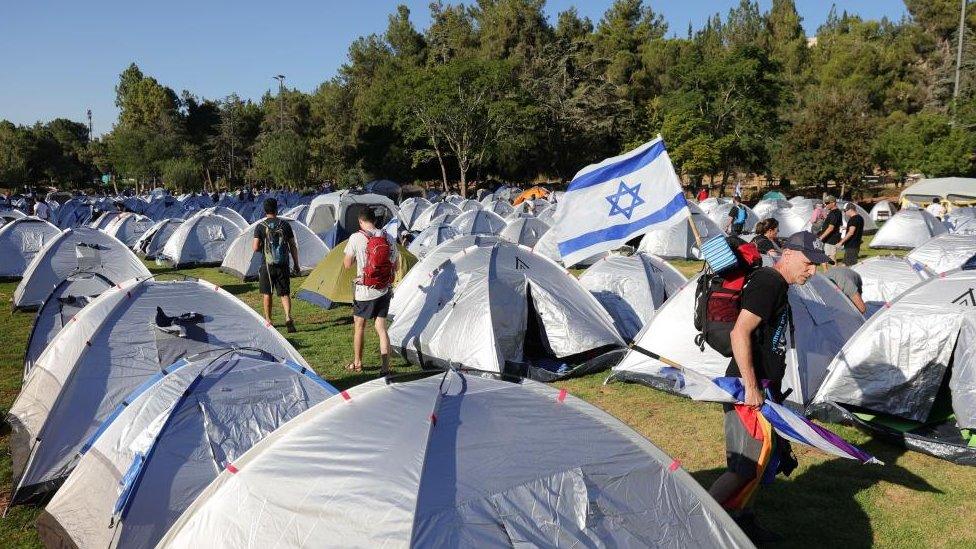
(275, 244)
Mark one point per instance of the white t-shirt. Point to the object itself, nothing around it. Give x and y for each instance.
(356, 247)
(42, 210)
(938, 210)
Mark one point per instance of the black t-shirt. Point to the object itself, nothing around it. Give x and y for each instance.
(764, 244)
(833, 218)
(857, 222)
(766, 296)
(261, 232)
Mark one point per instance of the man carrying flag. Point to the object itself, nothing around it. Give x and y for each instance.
(609, 203)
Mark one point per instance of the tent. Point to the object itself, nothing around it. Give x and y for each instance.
(171, 439)
(478, 222)
(907, 229)
(20, 241)
(438, 212)
(104, 220)
(676, 241)
(525, 231)
(910, 372)
(548, 246)
(73, 213)
(385, 187)
(502, 308)
(9, 214)
(823, 320)
(632, 288)
(790, 221)
(960, 191)
(330, 283)
(468, 205)
(421, 273)
(881, 211)
(454, 199)
(945, 252)
(334, 216)
(201, 240)
(410, 212)
(719, 213)
(151, 243)
(492, 464)
(870, 227)
(296, 212)
(116, 343)
(243, 262)
(229, 213)
(500, 207)
(430, 238)
(128, 227)
(60, 306)
(961, 220)
(774, 195)
(532, 193)
(74, 250)
(883, 279)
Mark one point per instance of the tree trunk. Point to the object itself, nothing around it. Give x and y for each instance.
(440, 160)
(464, 181)
(725, 180)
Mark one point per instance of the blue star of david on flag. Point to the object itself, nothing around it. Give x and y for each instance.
(623, 191)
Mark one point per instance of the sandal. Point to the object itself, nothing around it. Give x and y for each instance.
(351, 367)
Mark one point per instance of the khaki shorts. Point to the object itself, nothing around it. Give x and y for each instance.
(830, 250)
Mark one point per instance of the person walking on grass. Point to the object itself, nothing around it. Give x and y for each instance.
(275, 240)
(374, 253)
(854, 235)
(759, 347)
(831, 228)
(736, 220)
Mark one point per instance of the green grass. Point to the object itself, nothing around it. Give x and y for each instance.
(913, 501)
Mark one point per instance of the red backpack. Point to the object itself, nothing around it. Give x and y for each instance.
(718, 298)
(378, 271)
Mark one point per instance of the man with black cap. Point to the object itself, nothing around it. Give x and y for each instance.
(853, 237)
(759, 345)
(275, 240)
(831, 227)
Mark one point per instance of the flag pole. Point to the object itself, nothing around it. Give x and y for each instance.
(694, 228)
(655, 356)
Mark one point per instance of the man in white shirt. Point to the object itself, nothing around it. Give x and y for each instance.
(41, 209)
(369, 301)
(936, 208)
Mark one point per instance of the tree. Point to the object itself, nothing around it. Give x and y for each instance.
(927, 143)
(618, 39)
(830, 139)
(183, 174)
(16, 150)
(282, 157)
(513, 30)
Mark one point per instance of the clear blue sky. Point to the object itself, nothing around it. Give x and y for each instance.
(60, 58)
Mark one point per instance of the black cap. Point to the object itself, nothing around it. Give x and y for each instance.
(810, 245)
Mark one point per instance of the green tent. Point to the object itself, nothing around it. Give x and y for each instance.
(330, 283)
(774, 195)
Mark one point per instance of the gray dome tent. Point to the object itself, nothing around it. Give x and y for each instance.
(631, 288)
(945, 252)
(443, 211)
(883, 279)
(882, 211)
(104, 220)
(719, 213)
(676, 241)
(481, 475)
(229, 213)
(503, 308)
(823, 320)
(200, 240)
(128, 227)
(525, 231)
(151, 243)
(79, 249)
(430, 238)
(410, 212)
(121, 339)
(172, 438)
(907, 229)
(478, 222)
(60, 306)
(243, 262)
(20, 241)
(910, 372)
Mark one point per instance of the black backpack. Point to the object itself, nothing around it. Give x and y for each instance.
(718, 297)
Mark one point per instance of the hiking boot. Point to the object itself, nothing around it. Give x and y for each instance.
(754, 531)
(290, 326)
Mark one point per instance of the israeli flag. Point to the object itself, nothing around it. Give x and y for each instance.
(609, 203)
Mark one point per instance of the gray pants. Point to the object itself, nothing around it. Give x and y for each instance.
(850, 256)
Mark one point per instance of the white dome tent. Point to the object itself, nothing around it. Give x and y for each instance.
(899, 364)
(120, 340)
(104, 220)
(907, 229)
(411, 210)
(632, 288)
(823, 320)
(129, 227)
(676, 241)
(502, 308)
(525, 231)
(74, 250)
(201, 240)
(883, 279)
(229, 213)
(790, 220)
(178, 431)
(719, 213)
(481, 476)
(151, 243)
(945, 252)
(334, 216)
(478, 222)
(882, 211)
(243, 262)
(20, 241)
(500, 207)
(440, 211)
(430, 238)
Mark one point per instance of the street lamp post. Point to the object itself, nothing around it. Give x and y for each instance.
(89, 125)
(281, 106)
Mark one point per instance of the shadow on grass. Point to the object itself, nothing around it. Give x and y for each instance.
(820, 506)
(239, 289)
